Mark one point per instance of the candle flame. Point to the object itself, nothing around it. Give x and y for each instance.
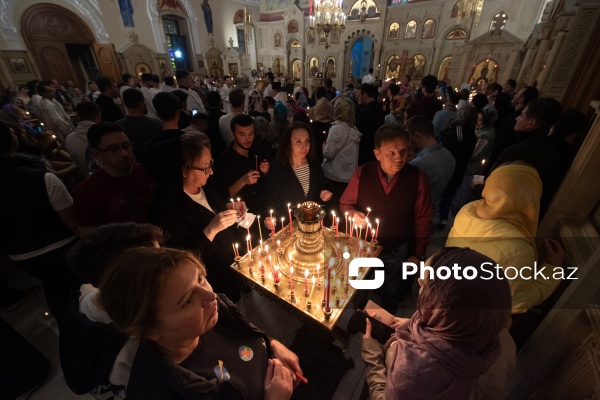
(313, 280)
(482, 162)
(346, 254)
(305, 272)
(248, 238)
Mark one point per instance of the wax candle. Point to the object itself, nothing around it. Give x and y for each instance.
(256, 159)
(278, 245)
(346, 224)
(346, 257)
(259, 230)
(272, 222)
(367, 232)
(337, 227)
(328, 283)
(306, 280)
(291, 280)
(481, 169)
(377, 230)
(276, 279)
(237, 252)
(248, 245)
(282, 226)
(333, 219)
(234, 253)
(368, 212)
(290, 216)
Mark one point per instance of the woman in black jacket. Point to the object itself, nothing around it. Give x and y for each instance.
(296, 175)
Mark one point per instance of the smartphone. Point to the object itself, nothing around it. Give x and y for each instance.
(337, 92)
(194, 111)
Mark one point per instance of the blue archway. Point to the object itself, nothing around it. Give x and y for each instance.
(361, 56)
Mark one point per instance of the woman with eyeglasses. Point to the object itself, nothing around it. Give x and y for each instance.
(196, 218)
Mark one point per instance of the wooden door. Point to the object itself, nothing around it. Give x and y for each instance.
(107, 61)
(53, 61)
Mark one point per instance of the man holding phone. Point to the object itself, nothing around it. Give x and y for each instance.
(239, 169)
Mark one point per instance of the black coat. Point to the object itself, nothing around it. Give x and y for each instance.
(184, 221)
(283, 187)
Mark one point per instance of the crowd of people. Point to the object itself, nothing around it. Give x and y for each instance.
(110, 176)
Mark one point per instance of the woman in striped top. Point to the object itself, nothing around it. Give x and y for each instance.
(296, 175)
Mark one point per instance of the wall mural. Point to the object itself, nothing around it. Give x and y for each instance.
(483, 72)
(330, 68)
(364, 9)
(126, 13)
(207, 16)
(173, 5)
(314, 67)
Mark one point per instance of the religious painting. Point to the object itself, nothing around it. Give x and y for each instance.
(394, 30)
(200, 64)
(18, 65)
(216, 73)
(233, 69)
(444, 67)
(259, 66)
(363, 10)
(457, 33)
(417, 68)
(314, 67)
(428, 29)
(162, 64)
(293, 26)
(411, 30)
(170, 5)
(297, 70)
(142, 68)
(238, 17)
(311, 36)
(295, 44)
(484, 71)
(393, 67)
(335, 37)
(322, 38)
(126, 13)
(278, 67)
(206, 10)
(330, 68)
(277, 40)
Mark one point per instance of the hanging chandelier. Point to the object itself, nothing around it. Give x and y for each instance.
(327, 16)
(247, 27)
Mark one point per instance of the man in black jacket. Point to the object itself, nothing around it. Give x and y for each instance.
(370, 116)
(106, 100)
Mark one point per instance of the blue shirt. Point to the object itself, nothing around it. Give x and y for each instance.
(438, 163)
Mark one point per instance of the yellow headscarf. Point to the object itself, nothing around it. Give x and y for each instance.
(512, 193)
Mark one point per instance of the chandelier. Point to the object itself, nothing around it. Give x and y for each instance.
(327, 16)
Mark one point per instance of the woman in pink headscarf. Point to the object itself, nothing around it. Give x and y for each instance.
(457, 333)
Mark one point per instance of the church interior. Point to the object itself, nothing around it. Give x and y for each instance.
(552, 45)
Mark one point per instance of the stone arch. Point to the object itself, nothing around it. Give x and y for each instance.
(351, 40)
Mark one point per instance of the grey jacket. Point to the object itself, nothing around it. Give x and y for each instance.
(341, 152)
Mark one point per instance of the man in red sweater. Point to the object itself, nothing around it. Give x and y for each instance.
(398, 195)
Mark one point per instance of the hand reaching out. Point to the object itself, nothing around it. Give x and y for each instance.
(278, 381)
(325, 195)
(288, 358)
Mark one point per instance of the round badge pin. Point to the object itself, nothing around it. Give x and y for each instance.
(246, 353)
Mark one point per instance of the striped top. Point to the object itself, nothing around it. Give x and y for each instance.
(303, 175)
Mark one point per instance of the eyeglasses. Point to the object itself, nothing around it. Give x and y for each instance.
(116, 148)
(205, 170)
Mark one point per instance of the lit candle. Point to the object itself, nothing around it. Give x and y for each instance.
(351, 225)
(368, 212)
(256, 159)
(276, 279)
(337, 227)
(481, 169)
(377, 230)
(248, 245)
(333, 219)
(234, 253)
(291, 280)
(272, 222)
(282, 224)
(237, 252)
(306, 280)
(278, 245)
(290, 216)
